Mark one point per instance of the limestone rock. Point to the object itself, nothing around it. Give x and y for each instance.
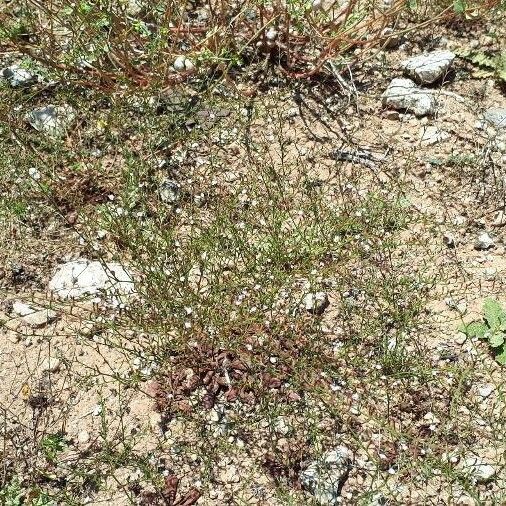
(428, 68)
(477, 468)
(324, 477)
(83, 277)
(17, 76)
(52, 120)
(404, 95)
(33, 316)
(484, 242)
(496, 116)
(316, 303)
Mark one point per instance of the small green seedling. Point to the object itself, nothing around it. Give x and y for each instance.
(52, 445)
(491, 329)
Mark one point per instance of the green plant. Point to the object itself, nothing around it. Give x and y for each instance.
(486, 64)
(492, 328)
(52, 444)
(12, 493)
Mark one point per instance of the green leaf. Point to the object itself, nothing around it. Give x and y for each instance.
(494, 313)
(474, 329)
(501, 357)
(459, 6)
(501, 66)
(482, 60)
(496, 340)
(412, 4)
(482, 74)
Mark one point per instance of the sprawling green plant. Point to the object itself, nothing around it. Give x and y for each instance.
(491, 329)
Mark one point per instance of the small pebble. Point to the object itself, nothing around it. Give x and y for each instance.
(484, 242)
(449, 240)
(51, 364)
(485, 390)
(83, 437)
(316, 303)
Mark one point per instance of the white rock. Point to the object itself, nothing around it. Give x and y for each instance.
(432, 135)
(478, 469)
(484, 242)
(34, 173)
(17, 76)
(496, 116)
(83, 277)
(134, 7)
(83, 437)
(449, 240)
(316, 303)
(499, 219)
(485, 390)
(490, 273)
(428, 68)
(231, 474)
(317, 5)
(324, 477)
(281, 426)
(33, 315)
(170, 191)
(51, 364)
(271, 34)
(179, 64)
(183, 64)
(404, 95)
(214, 415)
(51, 119)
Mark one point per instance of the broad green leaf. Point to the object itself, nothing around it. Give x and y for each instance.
(493, 312)
(482, 74)
(496, 340)
(474, 329)
(459, 6)
(412, 4)
(501, 357)
(482, 59)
